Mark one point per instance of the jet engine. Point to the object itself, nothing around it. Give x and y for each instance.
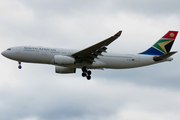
(63, 60)
(64, 70)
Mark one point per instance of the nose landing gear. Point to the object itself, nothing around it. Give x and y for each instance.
(86, 73)
(19, 65)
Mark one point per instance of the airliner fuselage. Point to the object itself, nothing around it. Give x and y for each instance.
(47, 56)
(93, 57)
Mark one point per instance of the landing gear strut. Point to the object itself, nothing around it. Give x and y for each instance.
(19, 65)
(86, 73)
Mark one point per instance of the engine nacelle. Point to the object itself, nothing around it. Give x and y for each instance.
(63, 60)
(64, 70)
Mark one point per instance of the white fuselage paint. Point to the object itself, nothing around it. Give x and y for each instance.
(46, 56)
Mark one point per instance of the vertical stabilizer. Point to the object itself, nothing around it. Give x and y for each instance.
(163, 45)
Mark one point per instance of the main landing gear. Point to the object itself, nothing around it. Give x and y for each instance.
(19, 65)
(86, 73)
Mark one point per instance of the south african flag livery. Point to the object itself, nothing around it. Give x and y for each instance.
(162, 46)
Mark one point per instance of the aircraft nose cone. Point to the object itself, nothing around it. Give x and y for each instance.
(6, 54)
(3, 53)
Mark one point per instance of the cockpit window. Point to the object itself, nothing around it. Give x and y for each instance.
(9, 49)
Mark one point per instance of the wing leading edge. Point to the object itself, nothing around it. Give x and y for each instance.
(92, 52)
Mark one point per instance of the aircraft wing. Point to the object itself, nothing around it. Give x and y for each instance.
(88, 54)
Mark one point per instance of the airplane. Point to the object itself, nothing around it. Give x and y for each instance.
(94, 57)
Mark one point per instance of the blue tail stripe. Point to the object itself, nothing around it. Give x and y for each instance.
(152, 51)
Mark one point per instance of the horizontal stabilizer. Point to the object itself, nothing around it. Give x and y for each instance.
(165, 56)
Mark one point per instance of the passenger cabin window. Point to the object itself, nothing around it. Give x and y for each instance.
(9, 49)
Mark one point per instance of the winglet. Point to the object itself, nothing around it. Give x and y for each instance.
(118, 34)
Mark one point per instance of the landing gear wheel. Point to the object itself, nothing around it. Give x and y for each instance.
(84, 74)
(84, 69)
(19, 66)
(89, 72)
(88, 77)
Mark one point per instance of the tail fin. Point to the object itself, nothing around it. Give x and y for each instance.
(162, 46)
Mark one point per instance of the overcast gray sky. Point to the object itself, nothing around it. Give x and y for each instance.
(37, 93)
